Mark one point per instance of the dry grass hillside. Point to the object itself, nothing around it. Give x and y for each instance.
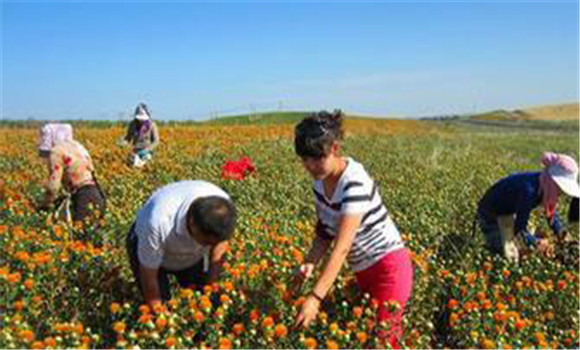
(553, 112)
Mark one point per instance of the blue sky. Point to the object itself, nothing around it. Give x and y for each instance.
(187, 60)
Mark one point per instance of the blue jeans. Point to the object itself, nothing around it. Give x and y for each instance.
(491, 232)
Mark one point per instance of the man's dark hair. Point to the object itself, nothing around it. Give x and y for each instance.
(214, 216)
(314, 135)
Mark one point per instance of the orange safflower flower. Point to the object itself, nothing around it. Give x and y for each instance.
(145, 318)
(23, 256)
(501, 306)
(310, 343)
(119, 327)
(561, 285)
(29, 283)
(37, 345)
(229, 286)
(362, 337)
(499, 316)
(225, 343)
(50, 342)
(331, 344)
(4, 271)
(18, 305)
(487, 344)
(487, 266)
(199, 316)
(78, 328)
(487, 304)
(254, 315)
(357, 311)
(520, 324)
(506, 273)
(224, 299)
(41, 258)
(186, 293)
(159, 308)
(481, 296)
(115, 307)
(281, 331)
(238, 328)
(205, 303)
(207, 289)
(333, 327)
(170, 342)
(267, 322)
(470, 278)
(14, 277)
(173, 304)
(453, 318)
(26, 335)
(144, 309)
(452, 304)
(160, 323)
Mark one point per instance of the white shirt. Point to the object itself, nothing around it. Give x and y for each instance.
(357, 193)
(161, 226)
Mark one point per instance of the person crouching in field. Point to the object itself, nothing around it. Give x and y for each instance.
(142, 135)
(182, 230)
(505, 208)
(70, 164)
(352, 216)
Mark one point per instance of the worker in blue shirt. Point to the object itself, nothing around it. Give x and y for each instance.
(504, 210)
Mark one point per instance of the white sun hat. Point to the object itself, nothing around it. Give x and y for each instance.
(566, 178)
(142, 116)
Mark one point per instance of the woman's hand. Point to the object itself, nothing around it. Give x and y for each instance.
(545, 247)
(303, 272)
(308, 312)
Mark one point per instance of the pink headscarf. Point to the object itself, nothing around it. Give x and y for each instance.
(548, 186)
(53, 133)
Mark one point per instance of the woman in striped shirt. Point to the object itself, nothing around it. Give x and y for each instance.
(351, 215)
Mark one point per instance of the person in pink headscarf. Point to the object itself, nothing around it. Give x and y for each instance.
(505, 208)
(70, 169)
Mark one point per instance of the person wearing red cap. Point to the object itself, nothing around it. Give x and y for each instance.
(504, 210)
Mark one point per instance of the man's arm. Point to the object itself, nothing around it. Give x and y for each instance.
(150, 284)
(216, 260)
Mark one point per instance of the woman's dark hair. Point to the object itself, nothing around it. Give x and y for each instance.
(314, 135)
(214, 216)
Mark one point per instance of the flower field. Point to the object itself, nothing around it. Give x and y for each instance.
(58, 291)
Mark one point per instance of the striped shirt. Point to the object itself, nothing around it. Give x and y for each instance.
(161, 226)
(356, 193)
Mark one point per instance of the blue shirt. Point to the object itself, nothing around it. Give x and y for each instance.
(516, 194)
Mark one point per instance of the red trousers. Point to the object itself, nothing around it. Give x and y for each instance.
(389, 279)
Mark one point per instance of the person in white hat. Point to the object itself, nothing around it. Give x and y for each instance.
(143, 135)
(505, 208)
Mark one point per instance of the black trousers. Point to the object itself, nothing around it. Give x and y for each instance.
(192, 277)
(85, 201)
